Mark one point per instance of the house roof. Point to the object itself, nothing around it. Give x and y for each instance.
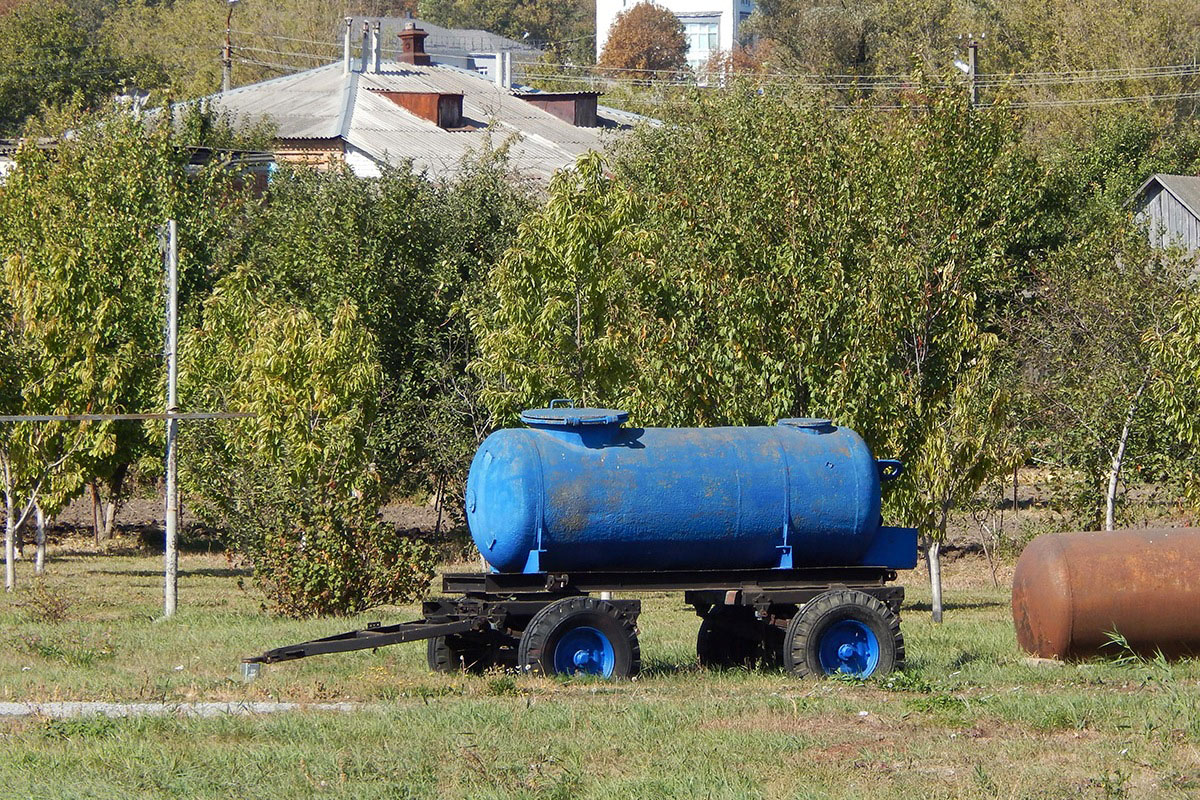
(449, 41)
(325, 103)
(1184, 188)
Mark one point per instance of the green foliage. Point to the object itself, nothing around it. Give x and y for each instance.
(557, 321)
(294, 487)
(1091, 328)
(1177, 350)
(1024, 35)
(49, 55)
(564, 27)
(369, 276)
(186, 38)
(84, 277)
(406, 251)
(766, 258)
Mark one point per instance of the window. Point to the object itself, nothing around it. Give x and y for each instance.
(702, 42)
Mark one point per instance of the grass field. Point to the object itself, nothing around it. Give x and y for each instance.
(967, 719)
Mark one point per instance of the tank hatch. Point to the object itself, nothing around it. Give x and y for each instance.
(569, 417)
(808, 424)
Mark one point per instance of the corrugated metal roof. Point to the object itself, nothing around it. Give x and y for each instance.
(325, 103)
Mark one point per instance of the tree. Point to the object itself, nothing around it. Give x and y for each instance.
(294, 488)
(1178, 393)
(563, 27)
(646, 42)
(31, 454)
(766, 257)
(406, 251)
(556, 322)
(83, 278)
(1092, 341)
(1100, 304)
(49, 56)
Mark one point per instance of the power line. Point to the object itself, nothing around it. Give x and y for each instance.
(120, 417)
(624, 77)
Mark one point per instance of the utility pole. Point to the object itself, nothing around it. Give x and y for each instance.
(170, 548)
(227, 52)
(973, 69)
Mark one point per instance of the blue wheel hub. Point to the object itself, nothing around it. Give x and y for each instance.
(849, 647)
(584, 651)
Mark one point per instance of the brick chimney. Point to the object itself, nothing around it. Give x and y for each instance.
(412, 45)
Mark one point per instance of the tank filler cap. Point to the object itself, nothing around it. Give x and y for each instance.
(808, 424)
(569, 417)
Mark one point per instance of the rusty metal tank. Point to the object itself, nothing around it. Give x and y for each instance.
(1071, 590)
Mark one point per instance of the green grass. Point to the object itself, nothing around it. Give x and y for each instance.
(968, 719)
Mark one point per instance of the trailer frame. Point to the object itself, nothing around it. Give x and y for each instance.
(493, 609)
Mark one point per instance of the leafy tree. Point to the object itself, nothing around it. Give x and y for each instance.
(1092, 341)
(404, 250)
(885, 37)
(294, 487)
(1177, 350)
(1099, 305)
(564, 27)
(645, 41)
(187, 36)
(84, 277)
(48, 56)
(766, 257)
(556, 322)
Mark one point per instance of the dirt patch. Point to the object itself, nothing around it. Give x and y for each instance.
(139, 528)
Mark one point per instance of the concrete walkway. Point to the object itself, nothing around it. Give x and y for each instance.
(67, 709)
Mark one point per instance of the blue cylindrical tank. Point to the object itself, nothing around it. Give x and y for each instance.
(577, 491)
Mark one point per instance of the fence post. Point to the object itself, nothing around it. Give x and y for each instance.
(170, 539)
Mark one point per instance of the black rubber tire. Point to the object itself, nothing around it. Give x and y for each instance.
(455, 654)
(732, 637)
(535, 654)
(801, 653)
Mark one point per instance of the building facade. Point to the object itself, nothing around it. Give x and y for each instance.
(711, 26)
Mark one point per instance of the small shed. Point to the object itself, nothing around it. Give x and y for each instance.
(1170, 207)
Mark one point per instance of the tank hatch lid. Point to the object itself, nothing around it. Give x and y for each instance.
(568, 417)
(807, 423)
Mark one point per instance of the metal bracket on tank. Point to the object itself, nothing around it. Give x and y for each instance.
(533, 562)
(785, 549)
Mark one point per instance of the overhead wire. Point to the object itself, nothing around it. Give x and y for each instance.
(593, 77)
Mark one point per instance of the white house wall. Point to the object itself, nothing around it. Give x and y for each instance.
(360, 163)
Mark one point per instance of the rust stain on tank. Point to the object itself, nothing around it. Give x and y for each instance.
(1071, 591)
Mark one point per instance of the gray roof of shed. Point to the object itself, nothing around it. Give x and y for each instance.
(1184, 188)
(324, 103)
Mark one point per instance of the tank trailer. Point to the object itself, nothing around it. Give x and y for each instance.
(773, 534)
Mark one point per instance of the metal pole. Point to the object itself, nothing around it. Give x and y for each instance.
(170, 549)
(973, 70)
(227, 54)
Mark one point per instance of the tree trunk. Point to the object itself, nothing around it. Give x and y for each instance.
(116, 488)
(10, 531)
(39, 560)
(933, 559)
(19, 541)
(1118, 459)
(97, 521)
